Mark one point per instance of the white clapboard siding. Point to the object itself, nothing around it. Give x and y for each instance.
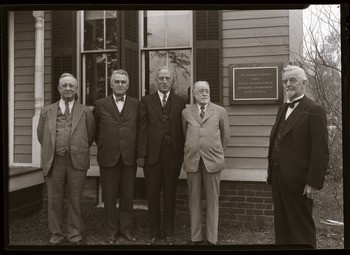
(24, 71)
(251, 37)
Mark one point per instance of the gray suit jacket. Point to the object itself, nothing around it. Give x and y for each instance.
(82, 135)
(206, 138)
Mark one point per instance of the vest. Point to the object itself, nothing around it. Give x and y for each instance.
(63, 130)
(280, 131)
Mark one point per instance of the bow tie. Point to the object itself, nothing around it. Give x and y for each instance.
(119, 99)
(292, 104)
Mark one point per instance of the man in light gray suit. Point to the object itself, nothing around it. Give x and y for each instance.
(206, 129)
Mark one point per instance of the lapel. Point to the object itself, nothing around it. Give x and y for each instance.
(128, 106)
(195, 113)
(208, 112)
(111, 106)
(172, 105)
(157, 105)
(278, 120)
(52, 118)
(296, 115)
(77, 112)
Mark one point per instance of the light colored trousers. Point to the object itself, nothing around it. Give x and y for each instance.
(211, 183)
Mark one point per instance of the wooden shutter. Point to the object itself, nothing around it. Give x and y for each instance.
(207, 50)
(129, 49)
(63, 48)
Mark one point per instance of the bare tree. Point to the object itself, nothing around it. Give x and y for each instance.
(322, 60)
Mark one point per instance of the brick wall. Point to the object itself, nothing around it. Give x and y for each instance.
(240, 202)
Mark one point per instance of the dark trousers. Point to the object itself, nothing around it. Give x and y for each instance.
(62, 176)
(118, 181)
(293, 214)
(162, 175)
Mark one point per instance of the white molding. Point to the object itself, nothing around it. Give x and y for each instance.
(21, 165)
(11, 87)
(25, 180)
(39, 86)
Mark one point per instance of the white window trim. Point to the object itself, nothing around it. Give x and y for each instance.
(11, 82)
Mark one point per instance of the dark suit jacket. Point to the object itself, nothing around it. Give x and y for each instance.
(303, 150)
(115, 136)
(150, 127)
(82, 135)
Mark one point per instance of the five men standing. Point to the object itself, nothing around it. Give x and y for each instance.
(151, 134)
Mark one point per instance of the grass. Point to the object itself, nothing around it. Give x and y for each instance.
(32, 230)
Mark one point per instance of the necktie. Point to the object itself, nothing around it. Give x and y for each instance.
(121, 99)
(66, 110)
(202, 112)
(164, 100)
(291, 105)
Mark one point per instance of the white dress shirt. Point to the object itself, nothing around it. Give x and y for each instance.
(161, 95)
(120, 104)
(290, 110)
(199, 108)
(62, 105)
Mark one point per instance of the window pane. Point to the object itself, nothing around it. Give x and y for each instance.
(178, 28)
(93, 30)
(155, 29)
(111, 30)
(179, 62)
(167, 28)
(95, 76)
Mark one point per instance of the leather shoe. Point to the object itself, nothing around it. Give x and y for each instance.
(169, 240)
(79, 242)
(210, 243)
(130, 237)
(196, 242)
(111, 239)
(152, 240)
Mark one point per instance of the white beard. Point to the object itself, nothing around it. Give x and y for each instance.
(290, 93)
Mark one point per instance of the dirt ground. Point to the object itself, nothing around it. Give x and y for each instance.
(32, 230)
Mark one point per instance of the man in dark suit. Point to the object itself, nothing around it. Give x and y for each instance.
(298, 159)
(160, 152)
(66, 130)
(116, 135)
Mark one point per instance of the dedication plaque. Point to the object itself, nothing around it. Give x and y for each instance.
(256, 84)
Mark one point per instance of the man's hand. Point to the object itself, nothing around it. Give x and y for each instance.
(310, 192)
(140, 162)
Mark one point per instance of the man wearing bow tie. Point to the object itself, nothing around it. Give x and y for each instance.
(116, 136)
(298, 160)
(206, 129)
(66, 130)
(160, 153)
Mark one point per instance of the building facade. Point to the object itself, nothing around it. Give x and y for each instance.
(223, 47)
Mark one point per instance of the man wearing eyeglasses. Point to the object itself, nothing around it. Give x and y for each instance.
(160, 153)
(66, 130)
(116, 137)
(206, 128)
(298, 159)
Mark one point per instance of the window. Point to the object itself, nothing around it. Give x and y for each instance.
(167, 41)
(99, 53)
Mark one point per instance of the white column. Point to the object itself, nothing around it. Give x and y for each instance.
(39, 84)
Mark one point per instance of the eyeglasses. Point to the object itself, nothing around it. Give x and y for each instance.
(291, 81)
(120, 81)
(202, 91)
